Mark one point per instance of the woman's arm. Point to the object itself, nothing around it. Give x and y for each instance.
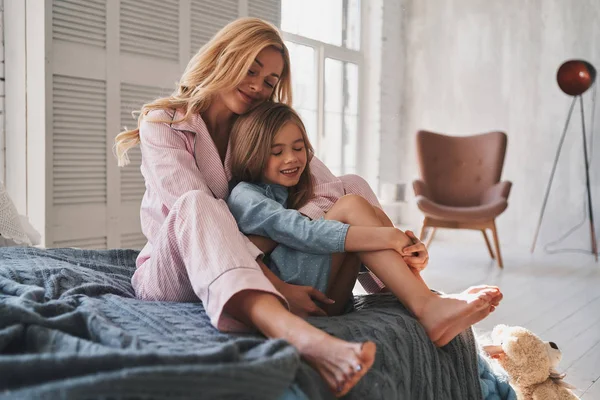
(300, 298)
(327, 190)
(168, 166)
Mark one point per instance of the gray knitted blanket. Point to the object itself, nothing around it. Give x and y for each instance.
(70, 328)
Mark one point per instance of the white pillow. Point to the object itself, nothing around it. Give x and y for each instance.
(11, 229)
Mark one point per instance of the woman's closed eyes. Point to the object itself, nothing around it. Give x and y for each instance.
(254, 73)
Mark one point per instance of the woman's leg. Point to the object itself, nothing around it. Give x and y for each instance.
(340, 363)
(342, 278)
(436, 313)
(199, 253)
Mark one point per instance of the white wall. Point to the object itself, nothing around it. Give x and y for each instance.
(472, 66)
(381, 140)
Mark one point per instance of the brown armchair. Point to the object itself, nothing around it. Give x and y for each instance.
(460, 184)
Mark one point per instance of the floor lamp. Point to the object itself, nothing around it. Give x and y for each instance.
(574, 78)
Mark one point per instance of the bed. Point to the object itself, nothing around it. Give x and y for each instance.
(71, 327)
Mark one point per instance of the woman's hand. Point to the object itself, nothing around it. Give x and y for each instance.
(415, 255)
(302, 299)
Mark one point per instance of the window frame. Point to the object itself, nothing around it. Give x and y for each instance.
(326, 50)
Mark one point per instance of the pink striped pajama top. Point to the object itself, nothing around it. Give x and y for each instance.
(195, 249)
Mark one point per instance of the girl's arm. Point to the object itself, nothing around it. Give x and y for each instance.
(257, 214)
(358, 238)
(374, 238)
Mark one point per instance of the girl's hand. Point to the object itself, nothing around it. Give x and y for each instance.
(415, 255)
(302, 299)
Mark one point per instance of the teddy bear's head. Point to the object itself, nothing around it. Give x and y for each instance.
(525, 357)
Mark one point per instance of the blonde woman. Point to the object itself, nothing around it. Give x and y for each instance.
(195, 249)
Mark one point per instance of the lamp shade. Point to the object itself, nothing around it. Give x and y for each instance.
(575, 77)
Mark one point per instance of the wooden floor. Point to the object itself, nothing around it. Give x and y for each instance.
(555, 296)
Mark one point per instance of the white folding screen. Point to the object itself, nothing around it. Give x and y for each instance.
(106, 59)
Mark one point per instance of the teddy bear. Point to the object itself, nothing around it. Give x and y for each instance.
(530, 363)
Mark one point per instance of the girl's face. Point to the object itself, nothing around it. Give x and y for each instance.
(288, 157)
(258, 85)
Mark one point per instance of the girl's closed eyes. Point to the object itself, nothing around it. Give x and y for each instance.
(279, 152)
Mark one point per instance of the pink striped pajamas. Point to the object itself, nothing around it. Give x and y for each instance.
(195, 249)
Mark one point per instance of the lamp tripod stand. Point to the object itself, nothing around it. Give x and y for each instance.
(574, 78)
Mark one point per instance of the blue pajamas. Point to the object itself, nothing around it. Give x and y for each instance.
(303, 256)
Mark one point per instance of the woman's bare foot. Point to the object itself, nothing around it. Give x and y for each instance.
(440, 313)
(342, 364)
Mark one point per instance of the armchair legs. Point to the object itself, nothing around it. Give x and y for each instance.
(428, 231)
(429, 223)
(487, 242)
(426, 235)
(497, 244)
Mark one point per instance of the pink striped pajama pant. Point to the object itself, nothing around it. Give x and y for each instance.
(178, 269)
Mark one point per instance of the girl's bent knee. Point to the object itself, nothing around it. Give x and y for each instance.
(346, 206)
(353, 201)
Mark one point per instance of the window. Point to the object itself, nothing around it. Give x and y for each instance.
(324, 42)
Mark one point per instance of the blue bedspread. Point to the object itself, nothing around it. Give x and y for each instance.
(70, 327)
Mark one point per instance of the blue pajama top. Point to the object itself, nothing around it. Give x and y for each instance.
(303, 256)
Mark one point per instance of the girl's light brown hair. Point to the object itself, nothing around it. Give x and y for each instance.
(220, 65)
(251, 138)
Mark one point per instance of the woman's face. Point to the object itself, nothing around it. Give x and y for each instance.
(288, 157)
(258, 85)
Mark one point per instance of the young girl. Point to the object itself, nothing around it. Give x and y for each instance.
(270, 164)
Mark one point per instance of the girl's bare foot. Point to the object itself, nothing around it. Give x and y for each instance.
(462, 324)
(440, 313)
(342, 364)
(471, 319)
(497, 297)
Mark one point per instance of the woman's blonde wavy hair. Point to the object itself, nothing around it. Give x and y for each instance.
(220, 65)
(252, 136)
